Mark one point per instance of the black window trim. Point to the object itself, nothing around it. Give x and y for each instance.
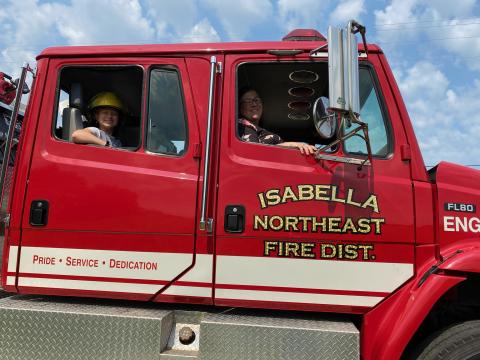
(380, 97)
(386, 118)
(93, 65)
(174, 68)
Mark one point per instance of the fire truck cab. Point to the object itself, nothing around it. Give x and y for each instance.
(189, 211)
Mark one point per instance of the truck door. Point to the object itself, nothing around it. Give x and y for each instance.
(294, 232)
(103, 221)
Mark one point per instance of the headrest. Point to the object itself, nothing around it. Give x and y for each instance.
(75, 99)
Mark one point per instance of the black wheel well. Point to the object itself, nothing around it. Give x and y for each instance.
(460, 303)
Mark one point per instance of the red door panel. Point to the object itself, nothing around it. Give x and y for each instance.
(319, 235)
(121, 223)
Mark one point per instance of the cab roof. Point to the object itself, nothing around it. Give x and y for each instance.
(191, 48)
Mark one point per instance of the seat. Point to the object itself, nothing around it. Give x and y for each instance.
(72, 118)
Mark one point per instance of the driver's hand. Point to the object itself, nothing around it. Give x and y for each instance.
(306, 149)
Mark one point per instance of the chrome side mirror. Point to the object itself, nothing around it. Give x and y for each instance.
(343, 71)
(324, 120)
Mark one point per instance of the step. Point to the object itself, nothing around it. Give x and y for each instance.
(179, 355)
(40, 327)
(52, 328)
(243, 337)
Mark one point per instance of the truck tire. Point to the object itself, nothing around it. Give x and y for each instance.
(456, 342)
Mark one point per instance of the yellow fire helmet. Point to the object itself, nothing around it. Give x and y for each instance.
(107, 99)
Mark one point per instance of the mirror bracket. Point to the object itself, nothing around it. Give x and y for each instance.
(362, 126)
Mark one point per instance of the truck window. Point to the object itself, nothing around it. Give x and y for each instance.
(288, 92)
(167, 133)
(77, 85)
(371, 113)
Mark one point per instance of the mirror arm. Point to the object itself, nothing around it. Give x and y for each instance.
(362, 127)
(366, 138)
(357, 28)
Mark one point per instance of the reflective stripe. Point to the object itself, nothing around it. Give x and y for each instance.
(314, 274)
(297, 297)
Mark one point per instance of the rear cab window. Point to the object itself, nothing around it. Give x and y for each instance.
(165, 130)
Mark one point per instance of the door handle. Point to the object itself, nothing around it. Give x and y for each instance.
(234, 218)
(39, 213)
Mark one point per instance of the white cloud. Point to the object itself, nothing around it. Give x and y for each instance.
(24, 33)
(104, 22)
(202, 32)
(424, 79)
(180, 14)
(447, 8)
(450, 21)
(347, 10)
(238, 18)
(80, 22)
(462, 40)
(172, 19)
(398, 12)
(84, 22)
(294, 14)
(177, 21)
(443, 117)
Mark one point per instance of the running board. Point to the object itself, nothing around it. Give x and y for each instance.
(39, 327)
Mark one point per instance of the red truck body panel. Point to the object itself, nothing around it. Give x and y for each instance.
(319, 235)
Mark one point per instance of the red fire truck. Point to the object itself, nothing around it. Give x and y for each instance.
(260, 251)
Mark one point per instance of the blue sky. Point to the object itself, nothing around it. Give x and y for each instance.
(433, 46)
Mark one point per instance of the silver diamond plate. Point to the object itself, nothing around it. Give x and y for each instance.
(40, 329)
(240, 337)
(37, 327)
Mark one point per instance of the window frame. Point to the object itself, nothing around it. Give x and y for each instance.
(93, 65)
(237, 104)
(174, 68)
(340, 151)
(385, 117)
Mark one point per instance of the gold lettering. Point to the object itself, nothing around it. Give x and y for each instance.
(334, 195)
(273, 197)
(291, 221)
(262, 200)
(366, 249)
(306, 250)
(364, 226)
(288, 194)
(271, 222)
(331, 254)
(322, 223)
(305, 220)
(340, 251)
(305, 192)
(349, 199)
(321, 192)
(258, 222)
(377, 223)
(371, 202)
(333, 224)
(269, 247)
(291, 247)
(349, 226)
(351, 252)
